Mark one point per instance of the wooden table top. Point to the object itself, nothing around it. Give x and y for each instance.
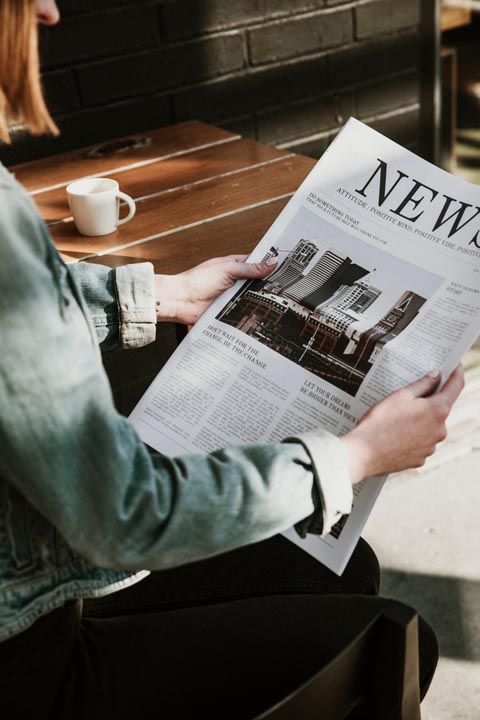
(200, 192)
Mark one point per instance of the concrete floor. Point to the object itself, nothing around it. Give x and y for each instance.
(425, 529)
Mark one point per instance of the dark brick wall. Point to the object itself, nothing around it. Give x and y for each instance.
(288, 72)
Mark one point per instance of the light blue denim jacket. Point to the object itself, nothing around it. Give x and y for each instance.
(84, 507)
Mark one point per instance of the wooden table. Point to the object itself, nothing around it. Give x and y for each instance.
(200, 192)
(455, 14)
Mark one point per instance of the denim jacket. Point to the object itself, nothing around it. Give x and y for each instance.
(84, 507)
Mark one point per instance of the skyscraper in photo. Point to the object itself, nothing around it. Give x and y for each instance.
(271, 253)
(357, 297)
(365, 299)
(393, 322)
(328, 264)
(293, 266)
(402, 313)
(259, 284)
(346, 274)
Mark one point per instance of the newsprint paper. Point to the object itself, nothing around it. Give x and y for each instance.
(378, 282)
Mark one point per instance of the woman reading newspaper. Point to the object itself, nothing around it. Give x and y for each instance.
(86, 510)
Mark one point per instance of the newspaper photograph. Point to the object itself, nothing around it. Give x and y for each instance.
(377, 283)
(331, 310)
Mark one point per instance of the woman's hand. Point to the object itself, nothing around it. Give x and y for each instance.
(402, 430)
(183, 298)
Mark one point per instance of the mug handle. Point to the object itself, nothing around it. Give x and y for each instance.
(131, 204)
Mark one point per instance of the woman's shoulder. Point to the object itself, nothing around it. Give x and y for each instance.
(18, 214)
(8, 178)
(12, 191)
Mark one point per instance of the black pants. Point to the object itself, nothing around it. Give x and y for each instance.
(222, 638)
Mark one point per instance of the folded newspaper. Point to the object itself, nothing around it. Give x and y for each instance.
(377, 282)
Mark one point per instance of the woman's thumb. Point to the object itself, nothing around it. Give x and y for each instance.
(425, 385)
(253, 270)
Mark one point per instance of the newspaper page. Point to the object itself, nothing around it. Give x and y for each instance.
(377, 283)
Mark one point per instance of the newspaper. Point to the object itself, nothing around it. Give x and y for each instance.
(377, 283)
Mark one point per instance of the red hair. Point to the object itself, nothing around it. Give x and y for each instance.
(21, 94)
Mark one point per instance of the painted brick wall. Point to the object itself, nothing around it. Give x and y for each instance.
(287, 72)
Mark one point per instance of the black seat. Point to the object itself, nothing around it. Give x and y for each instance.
(377, 670)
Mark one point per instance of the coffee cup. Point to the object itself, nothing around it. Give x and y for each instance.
(95, 205)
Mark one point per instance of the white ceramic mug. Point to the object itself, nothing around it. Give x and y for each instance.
(95, 205)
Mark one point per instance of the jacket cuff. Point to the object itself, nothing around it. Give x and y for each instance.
(330, 466)
(136, 303)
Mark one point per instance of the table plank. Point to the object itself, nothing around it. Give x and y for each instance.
(172, 173)
(37, 175)
(454, 17)
(235, 234)
(186, 207)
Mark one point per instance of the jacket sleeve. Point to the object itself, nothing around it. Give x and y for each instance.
(83, 466)
(120, 301)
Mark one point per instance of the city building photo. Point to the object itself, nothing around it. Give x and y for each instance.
(320, 309)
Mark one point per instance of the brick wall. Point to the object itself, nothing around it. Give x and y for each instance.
(287, 72)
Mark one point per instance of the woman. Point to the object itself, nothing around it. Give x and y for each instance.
(86, 509)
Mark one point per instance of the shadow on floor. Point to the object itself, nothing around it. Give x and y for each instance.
(449, 604)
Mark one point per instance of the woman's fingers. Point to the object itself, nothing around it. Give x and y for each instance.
(454, 385)
(225, 259)
(235, 267)
(427, 384)
(424, 386)
(247, 271)
(402, 430)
